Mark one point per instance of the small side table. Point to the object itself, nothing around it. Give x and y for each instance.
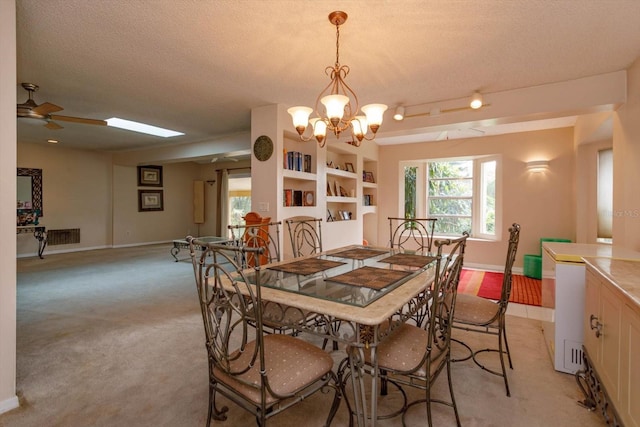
(39, 232)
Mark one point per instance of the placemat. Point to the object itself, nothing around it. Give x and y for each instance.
(370, 277)
(307, 266)
(410, 260)
(359, 253)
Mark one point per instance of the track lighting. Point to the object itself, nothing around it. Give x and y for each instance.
(476, 101)
(399, 114)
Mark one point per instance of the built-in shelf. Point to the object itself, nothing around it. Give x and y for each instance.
(369, 209)
(339, 199)
(303, 176)
(340, 172)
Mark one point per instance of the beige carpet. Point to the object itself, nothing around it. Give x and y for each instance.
(114, 338)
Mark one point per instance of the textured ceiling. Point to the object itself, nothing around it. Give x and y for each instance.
(199, 67)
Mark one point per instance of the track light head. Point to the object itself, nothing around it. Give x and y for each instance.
(476, 101)
(399, 114)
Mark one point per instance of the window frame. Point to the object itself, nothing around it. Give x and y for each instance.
(476, 212)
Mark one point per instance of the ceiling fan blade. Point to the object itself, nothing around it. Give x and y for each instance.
(47, 108)
(53, 126)
(78, 120)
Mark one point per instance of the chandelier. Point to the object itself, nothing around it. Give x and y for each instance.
(340, 103)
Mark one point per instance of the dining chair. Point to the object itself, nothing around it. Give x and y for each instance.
(306, 239)
(262, 373)
(414, 234)
(266, 235)
(306, 235)
(477, 314)
(416, 355)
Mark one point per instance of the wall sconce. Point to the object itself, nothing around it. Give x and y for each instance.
(399, 114)
(538, 166)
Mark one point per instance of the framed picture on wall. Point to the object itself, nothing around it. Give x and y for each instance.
(150, 200)
(150, 176)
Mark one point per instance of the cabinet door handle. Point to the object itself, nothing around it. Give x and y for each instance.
(597, 326)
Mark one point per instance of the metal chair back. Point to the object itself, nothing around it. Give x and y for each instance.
(266, 235)
(514, 239)
(306, 236)
(414, 234)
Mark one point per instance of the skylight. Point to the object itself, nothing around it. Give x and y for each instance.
(141, 127)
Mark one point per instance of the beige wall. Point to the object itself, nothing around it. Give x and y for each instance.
(131, 227)
(543, 204)
(83, 189)
(626, 172)
(76, 193)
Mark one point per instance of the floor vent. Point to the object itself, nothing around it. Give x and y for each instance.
(572, 355)
(63, 237)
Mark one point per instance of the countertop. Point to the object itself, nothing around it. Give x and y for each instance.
(622, 273)
(574, 252)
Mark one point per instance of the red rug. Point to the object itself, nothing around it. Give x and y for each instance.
(488, 284)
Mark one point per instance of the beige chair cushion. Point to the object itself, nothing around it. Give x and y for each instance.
(404, 350)
(475, 310)
(291, 364)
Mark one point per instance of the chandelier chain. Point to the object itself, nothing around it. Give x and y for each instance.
(337, 45)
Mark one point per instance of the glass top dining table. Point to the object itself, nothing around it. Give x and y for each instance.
(354, 275)
(369, 290)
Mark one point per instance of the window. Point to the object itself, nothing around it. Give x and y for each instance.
(450, 196)
(460, 193)
(239, 199)
(605, 196)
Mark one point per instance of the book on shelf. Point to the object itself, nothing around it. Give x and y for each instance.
(290, 160)
(297, 197)
(300, 164)
(307, 163)
(287, 200)
(297, 161)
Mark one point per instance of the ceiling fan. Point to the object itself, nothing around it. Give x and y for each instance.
(29, 109)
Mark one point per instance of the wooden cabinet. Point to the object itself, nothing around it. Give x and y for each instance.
(592, 310)
(612, 337)
(629, 363)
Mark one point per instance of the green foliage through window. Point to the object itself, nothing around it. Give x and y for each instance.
(450, 195)
(458, 199)
(410, 197)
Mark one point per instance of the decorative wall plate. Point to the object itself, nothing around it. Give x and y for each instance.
(263, 148)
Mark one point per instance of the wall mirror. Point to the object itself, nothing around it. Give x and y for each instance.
(29, 192)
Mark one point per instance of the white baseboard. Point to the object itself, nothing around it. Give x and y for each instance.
(496, 268)
(130, 245)
(47, 250)
(9, 404)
